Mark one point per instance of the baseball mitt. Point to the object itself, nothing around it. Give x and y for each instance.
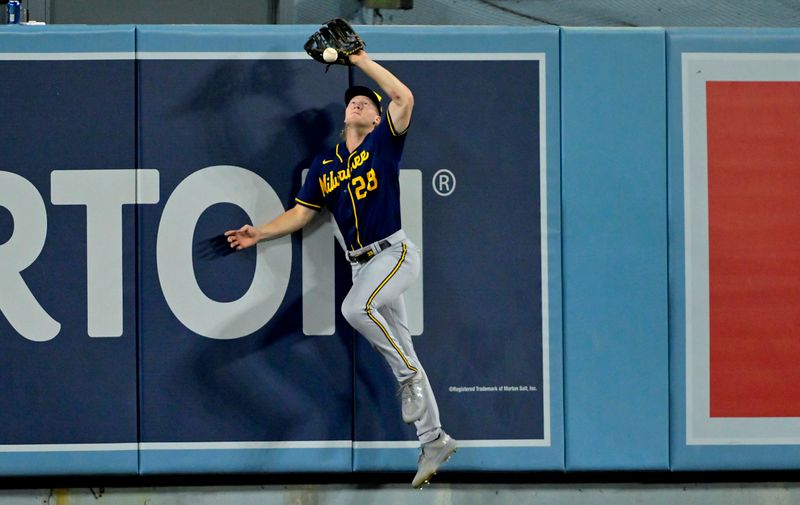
(337, 34)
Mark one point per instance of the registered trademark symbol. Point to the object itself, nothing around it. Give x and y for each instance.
(444, 182)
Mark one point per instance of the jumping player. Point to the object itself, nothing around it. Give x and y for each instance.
(358, 181)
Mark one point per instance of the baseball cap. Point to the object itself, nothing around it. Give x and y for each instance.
(362, 91)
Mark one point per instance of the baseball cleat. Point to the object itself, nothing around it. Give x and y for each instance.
(413, 404)
(432, 456)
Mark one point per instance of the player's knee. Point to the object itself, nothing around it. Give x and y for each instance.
(353, 312)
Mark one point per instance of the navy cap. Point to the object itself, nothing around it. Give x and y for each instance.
(363, 91)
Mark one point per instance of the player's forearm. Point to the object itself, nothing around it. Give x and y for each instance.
(388, 82)
(288, 222)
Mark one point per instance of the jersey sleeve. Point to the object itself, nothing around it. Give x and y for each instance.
(390, 138)
(310, 194)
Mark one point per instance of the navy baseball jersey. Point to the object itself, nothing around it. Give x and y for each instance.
(361, 188)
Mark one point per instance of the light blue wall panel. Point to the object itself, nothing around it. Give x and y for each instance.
(699, 441)
(614, 249)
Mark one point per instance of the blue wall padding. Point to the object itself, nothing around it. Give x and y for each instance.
(613, 128)
(72, 395)
(24, 463)
(270, 116)
(68, 39)
(496, 96)
(222, 39)
(161, 398)
(256, 460)
(720, 455)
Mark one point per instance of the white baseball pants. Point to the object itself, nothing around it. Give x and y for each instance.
(375, 307)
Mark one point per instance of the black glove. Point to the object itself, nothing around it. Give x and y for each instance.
(338, 34)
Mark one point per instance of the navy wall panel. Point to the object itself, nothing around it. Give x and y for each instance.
(230, 382)
(67, 251)
(614, 238)
(490, 342)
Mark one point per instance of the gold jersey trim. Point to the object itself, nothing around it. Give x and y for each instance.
(306, 204)
(392, 128)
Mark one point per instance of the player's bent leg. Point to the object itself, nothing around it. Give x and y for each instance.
(378, 313)
(375, 328)
(381, 281)
(372, 325)
(377, 285)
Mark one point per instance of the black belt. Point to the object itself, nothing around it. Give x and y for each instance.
(369, 253)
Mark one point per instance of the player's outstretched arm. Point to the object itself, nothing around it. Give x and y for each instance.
(288, 222)
(402, 100)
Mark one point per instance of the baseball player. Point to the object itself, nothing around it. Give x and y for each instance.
(358, 181)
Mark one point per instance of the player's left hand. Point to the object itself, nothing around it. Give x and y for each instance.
(339, 35)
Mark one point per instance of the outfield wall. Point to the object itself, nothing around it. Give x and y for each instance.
(577, 194)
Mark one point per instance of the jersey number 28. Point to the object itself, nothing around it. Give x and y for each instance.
(362, 187)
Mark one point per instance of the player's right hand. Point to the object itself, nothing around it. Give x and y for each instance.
(244, 237)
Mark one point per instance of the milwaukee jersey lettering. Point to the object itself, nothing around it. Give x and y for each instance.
(361, 188)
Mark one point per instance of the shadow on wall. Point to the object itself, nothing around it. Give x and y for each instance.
(239, 101)
(247, 112)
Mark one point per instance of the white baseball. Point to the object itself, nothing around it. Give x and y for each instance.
(330, 55)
